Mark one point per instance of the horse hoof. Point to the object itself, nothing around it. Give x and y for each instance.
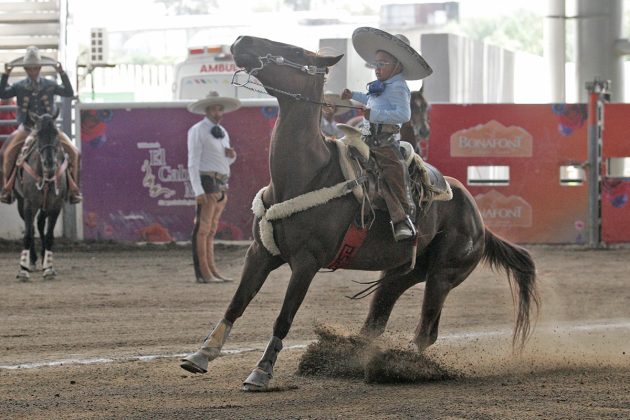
(253, 388)
(49, 274)
(23, 275)
(191, 367)
(258, 380)
(195, 363)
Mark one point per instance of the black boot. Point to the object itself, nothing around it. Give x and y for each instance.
(75, 197)
(6, 196)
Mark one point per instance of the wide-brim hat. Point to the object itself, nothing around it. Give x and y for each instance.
(213, 98)
(367, 41)
(33, 58)
(341, 104)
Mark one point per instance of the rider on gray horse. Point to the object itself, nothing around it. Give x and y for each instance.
(388, 106)
(35, 94)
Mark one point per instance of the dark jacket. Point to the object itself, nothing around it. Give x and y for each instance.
(39, 99)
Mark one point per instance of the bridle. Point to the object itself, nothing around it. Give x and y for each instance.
(43, 180)
(279, 60)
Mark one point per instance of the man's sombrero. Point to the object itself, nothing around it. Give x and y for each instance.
(213, 98)
(32, 58)
(367, 41)
(341, 104)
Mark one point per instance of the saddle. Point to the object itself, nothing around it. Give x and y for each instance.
(427, 182)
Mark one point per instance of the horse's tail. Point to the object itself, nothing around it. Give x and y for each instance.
(520, 268)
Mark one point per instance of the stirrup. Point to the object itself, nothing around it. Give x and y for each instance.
(403, 230)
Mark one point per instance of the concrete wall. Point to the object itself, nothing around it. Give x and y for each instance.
(350, 72)
(467, 71)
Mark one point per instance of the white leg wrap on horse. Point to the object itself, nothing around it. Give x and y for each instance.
(261, 375)
(25, 260)
(211, 349)
(48, 260)
(218, 336)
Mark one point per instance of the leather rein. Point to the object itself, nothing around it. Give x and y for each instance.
(40, 180)
(279, 60)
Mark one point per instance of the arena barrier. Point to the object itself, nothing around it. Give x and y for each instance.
(135, 179)
(522, 163)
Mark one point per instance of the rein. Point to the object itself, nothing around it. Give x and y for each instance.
(281, 61)
(41, 181)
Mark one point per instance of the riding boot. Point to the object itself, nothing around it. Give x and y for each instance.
(201, 231)
(211, 263)
(74, 171)
(6, 196)
(74, 193)
(395, 189)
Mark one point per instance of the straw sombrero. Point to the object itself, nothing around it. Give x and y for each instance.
(32, 58)
(341, 104)
(213, 98)
(367, 41)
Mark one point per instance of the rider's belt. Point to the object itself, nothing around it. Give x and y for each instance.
(376, 129)
(216, 175)
(379, 140)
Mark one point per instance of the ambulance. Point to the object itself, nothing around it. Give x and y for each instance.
(211, 68)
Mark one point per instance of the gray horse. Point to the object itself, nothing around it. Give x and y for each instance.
(41, 189)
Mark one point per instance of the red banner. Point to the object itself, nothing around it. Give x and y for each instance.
(524, 148)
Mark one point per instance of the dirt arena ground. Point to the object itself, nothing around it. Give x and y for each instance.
(103, 341)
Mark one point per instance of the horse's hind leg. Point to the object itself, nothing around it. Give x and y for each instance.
(391, 287)
(258, 264)
(47, 245)
(438, 285)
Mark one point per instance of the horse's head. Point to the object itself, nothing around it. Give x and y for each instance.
(420, 114)
(282, 67)
(47, 142)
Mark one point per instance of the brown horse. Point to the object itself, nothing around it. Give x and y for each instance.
(417, 130)
(452, 240)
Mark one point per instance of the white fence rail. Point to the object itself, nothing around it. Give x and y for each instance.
(139, 82)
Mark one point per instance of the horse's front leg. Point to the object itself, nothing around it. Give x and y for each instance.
(47, 245)
(304, 268)
(258, 264)
(28, 248)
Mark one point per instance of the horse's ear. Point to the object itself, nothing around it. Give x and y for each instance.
(422, 90)
(328, 60)
(56, 113)
(33, 117)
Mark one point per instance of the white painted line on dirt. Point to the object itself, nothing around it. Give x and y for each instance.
(600, 325)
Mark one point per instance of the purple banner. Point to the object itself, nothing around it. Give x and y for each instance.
(135, 178)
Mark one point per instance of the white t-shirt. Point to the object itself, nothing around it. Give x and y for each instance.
(206, 153)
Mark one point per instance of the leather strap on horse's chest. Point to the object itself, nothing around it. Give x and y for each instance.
(352, 241)
(295, 205)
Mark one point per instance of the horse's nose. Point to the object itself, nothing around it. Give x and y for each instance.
(241, 42)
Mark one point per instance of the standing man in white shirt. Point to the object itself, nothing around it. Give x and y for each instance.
(209, 158)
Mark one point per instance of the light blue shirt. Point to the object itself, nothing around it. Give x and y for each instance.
(390, 107)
